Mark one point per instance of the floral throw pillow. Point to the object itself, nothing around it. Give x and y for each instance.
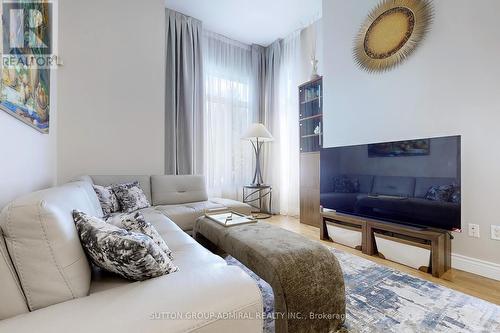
(130, 196)
(107, 199)
(137, 223)
(131, 255)
(440, 193)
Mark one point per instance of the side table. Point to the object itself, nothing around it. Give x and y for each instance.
(256, 195)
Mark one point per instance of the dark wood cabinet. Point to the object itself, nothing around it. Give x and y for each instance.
(311, 141)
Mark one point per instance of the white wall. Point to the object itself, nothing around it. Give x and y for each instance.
(450, 85)
(111, 87)
(28, 160)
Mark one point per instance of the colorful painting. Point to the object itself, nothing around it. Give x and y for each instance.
(400, 148)
(26, 62)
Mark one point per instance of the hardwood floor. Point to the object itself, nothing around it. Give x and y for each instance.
(465, 282)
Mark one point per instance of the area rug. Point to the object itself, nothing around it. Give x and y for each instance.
(381, 299)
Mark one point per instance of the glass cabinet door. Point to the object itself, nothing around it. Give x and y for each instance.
(311, 116)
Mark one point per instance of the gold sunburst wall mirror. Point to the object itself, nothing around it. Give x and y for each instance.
(391, 33)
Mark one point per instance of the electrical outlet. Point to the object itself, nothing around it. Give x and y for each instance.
(495, 232)
(474, 230)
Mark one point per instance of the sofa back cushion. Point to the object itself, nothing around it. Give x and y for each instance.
(423, 184)
(173, 190)
(11, 294)
(397, 186)
(43, 243)
(144, 182)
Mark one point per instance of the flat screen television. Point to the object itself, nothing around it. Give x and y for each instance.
(413, 182)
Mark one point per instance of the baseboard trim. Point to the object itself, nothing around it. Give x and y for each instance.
(484, 268)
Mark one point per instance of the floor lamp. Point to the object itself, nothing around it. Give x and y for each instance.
(257, 134)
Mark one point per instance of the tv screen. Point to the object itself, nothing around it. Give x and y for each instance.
(414, 182)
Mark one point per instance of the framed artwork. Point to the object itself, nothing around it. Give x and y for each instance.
(391, 32)
(400, 148)
(27, 61)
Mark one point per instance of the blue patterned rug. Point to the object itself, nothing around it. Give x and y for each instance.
(381, 299)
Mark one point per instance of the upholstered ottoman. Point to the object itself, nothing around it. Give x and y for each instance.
(306, 277)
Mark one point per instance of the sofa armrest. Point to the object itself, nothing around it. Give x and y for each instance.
(163, 304)
(173, 190)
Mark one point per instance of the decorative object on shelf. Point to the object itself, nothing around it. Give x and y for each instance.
(257, 134)
(314, 64)
(391, 33)
(317, 130)
(25, 83)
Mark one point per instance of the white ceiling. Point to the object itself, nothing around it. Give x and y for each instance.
(251, 21)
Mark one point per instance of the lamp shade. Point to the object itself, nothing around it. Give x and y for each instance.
(257, 131)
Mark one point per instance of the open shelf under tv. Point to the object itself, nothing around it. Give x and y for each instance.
(437, 241)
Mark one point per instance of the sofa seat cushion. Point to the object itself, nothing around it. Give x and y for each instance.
(195, 256)
(237, 206)
(184, 215)
(188, 254)
(139, 306)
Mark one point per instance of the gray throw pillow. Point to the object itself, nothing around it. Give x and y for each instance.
(132, 255)
(137, 223)
(107, 199)
(131, 196)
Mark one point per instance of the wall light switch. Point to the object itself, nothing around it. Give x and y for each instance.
(495, 232)
(474, 230)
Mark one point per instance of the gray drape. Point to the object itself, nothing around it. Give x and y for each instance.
(270, 118)
(259, 71)
(183, 95)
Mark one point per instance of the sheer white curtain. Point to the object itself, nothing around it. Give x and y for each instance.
(242, 87)
(288, 111)
(230, 107)
(284, 119)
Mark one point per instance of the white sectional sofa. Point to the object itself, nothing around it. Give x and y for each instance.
(47, 284)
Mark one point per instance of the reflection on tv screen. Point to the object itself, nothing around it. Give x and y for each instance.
(415, 182)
